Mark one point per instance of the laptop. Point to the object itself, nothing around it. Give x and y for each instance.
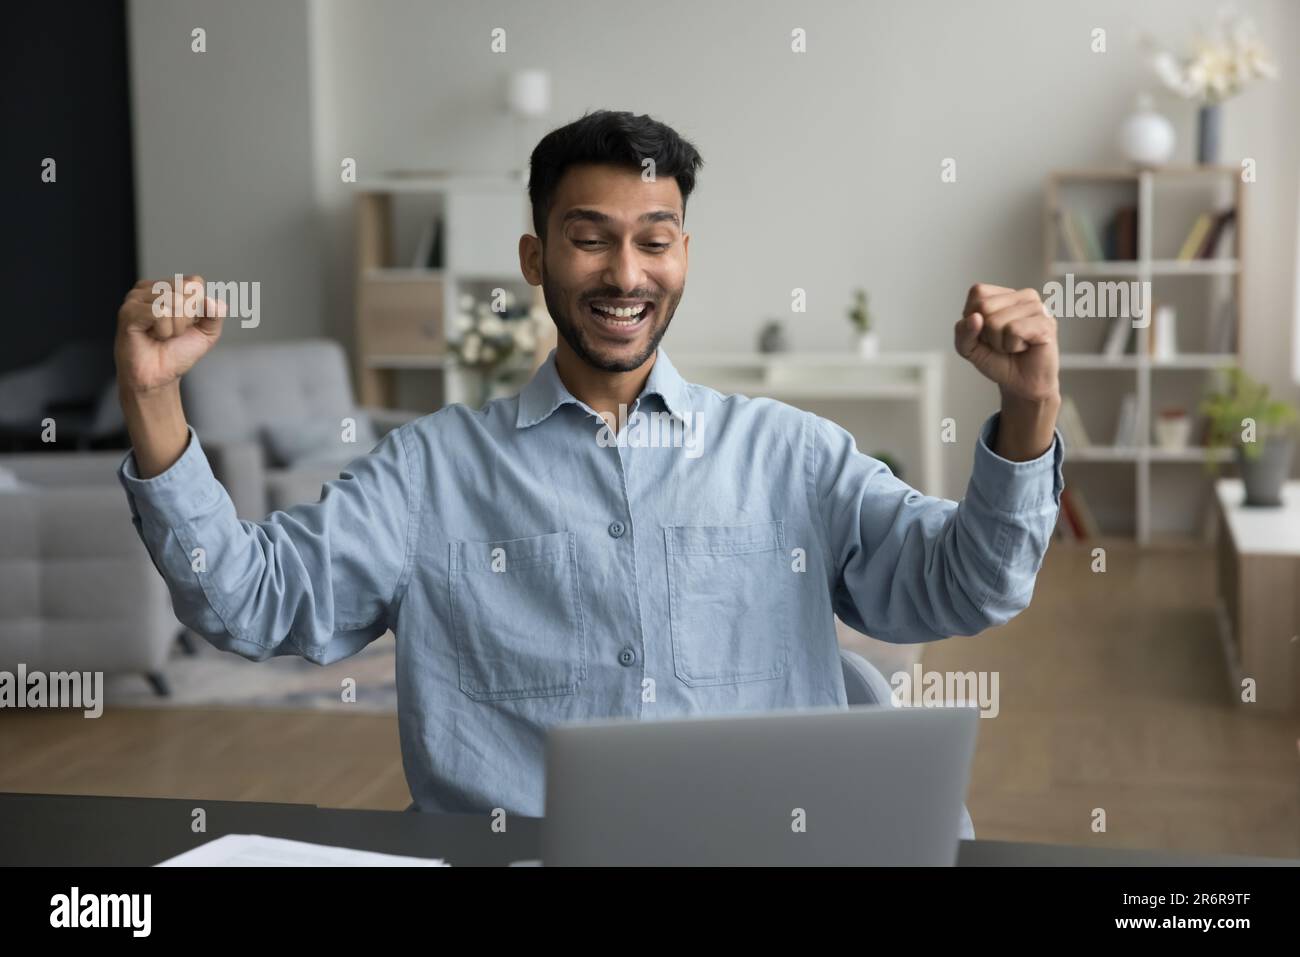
(863, 786)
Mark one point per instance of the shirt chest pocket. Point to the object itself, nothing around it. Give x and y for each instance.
(517, 617)
(730, 598)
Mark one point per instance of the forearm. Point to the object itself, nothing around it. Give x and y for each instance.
(156, 422)
(1026, 428)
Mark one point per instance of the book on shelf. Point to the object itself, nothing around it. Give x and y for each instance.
(1117, 337)
(1207, 235)
(1079, 240)
(1071, 425)
(428, 252)
(1221, 331)
(1065, 527)
(1068, 241)
(1192, 243)
(1222, 223)
(1075, 521)
(1088, 233)
(1126, 422)
(1084, 514)
(1121, 234)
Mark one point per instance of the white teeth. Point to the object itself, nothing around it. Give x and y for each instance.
(629, 312)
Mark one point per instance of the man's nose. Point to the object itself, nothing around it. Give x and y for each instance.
(624, 268)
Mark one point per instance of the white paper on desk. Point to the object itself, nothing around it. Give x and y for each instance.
(255, 850)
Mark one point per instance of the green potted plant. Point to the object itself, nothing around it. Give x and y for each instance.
(1242, 416)
(860, 315)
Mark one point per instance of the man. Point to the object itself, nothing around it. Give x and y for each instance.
(535, 571)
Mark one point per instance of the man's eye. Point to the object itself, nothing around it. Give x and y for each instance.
(588, 242)
(658, 245)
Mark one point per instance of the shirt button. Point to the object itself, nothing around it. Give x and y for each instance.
(627, 657)
(616, 529)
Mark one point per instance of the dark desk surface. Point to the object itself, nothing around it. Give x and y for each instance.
(76, 830)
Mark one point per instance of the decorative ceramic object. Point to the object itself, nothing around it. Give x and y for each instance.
(772, 338)
(1165, 347)
(1146, 138)
(1207, 134)
(868, 344)
(1173, 429)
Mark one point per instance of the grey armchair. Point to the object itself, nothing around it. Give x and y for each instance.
(236, 393)
(77, 592)
(864, 685)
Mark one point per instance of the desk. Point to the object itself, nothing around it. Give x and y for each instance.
(77, 831)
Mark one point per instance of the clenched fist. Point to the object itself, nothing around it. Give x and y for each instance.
(162, 331)
(1010, 336)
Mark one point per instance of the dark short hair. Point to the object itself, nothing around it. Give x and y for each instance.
(607, 136)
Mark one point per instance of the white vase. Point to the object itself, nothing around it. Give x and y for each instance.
(868, 344)
(1165, 348)
(1146, 138)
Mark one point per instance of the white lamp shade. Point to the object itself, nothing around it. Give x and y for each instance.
(530, 92)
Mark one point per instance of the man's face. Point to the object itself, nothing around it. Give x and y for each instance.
(614, 242)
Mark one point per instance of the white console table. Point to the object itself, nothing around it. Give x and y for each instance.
(1259, 595)
(812, 376)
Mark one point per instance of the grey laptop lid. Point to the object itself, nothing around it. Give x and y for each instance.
(877, 785)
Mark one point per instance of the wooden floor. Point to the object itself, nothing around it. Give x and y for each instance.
(1113, 695)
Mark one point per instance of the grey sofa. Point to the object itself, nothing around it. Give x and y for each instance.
(77, 592)
(237, 392)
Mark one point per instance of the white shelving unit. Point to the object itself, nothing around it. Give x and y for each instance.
(402, 309)
(1167, 498)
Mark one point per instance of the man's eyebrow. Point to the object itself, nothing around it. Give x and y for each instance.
(594, 216)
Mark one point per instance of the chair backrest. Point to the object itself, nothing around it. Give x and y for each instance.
(863, 682)
(235, 390)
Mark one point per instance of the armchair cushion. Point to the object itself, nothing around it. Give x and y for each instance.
(316, 441)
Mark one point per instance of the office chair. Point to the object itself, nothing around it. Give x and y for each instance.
(865, 685)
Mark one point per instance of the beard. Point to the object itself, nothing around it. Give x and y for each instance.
(603, 358)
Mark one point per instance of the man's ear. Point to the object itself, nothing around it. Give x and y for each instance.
(530, 258)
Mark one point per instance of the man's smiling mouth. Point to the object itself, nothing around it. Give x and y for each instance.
(620, 317)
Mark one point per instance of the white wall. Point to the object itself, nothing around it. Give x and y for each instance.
(822, 170)
(224, 154)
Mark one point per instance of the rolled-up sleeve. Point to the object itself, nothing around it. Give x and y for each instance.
(908, 567)
(317, 580)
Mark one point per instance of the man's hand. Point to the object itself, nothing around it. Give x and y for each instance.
(1010, 336)
(159, 335)
(161, 332)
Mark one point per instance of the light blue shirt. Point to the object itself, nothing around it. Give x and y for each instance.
(535, 568)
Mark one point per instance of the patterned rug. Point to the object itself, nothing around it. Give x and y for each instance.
(217, 679)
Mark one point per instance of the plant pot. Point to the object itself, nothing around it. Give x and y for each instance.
(868, 344)
(1173, 431)
(1207, 134)
(1265, 475)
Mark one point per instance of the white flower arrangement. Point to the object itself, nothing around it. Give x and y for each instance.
(1219, 66)
(487, 339)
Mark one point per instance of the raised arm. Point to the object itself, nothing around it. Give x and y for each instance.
(317, 580)
(910, 567)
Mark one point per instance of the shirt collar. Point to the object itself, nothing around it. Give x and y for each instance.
(545, 393)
